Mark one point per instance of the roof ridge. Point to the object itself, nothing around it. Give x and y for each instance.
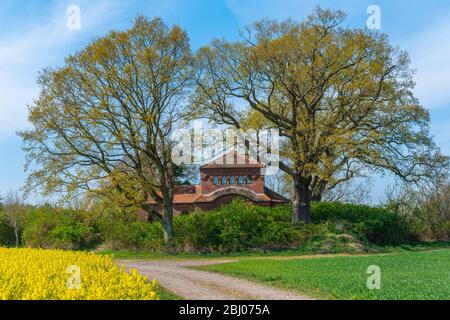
(248, 160)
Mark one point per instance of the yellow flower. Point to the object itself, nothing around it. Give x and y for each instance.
(35, 274)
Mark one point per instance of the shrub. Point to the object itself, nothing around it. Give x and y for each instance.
(375, 224)
(334, 243)
(234, 227)
(7, 236)
(135, 235)
(240, 226)
(72, 236)
(52, 228)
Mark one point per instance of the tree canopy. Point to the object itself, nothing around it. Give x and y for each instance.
(342, 99)
(103, 121)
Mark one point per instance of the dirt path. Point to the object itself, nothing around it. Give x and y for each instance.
(191, 284)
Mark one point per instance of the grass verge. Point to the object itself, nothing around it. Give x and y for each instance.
(164, 294)
(307, 249)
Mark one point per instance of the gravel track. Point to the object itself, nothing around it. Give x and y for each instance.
(190, 284)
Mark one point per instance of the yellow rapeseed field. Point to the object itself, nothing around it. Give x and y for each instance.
(34, 274)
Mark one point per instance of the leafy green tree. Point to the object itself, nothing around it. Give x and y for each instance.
(103, 121)
(341, 98)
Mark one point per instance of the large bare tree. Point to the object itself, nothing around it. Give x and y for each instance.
(14, 213)
(103, 121)
(341, 98)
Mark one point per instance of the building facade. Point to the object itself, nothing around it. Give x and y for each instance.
(222, 180)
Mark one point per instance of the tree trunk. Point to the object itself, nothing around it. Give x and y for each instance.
(166, 178)
(318, 187)
(17, 237)
(16, 233)
(301, 204)
(167, 222)
(165, 217)
(316, 197)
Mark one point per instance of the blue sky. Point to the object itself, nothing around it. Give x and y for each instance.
(34, 35)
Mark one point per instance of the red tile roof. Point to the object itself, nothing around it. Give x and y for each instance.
(183, 194)
(183, 197)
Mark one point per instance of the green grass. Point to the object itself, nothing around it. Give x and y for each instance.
(306, 249)
(142, 255)
(405, 275)
(166, 295)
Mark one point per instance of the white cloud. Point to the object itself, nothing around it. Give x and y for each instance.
(23, 54)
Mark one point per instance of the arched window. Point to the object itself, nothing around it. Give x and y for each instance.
(216, 180)
(249, 179)
(224, 180)
(232, 180)
(241, 180)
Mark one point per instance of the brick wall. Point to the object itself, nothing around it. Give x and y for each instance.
(207, 176)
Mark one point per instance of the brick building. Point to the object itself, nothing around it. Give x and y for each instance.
(228, 177)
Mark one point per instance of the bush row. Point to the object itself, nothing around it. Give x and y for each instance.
(50, 228)
(375, 224)
(240, 226)
(235, 227)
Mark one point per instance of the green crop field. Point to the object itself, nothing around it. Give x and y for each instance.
(414, 275)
